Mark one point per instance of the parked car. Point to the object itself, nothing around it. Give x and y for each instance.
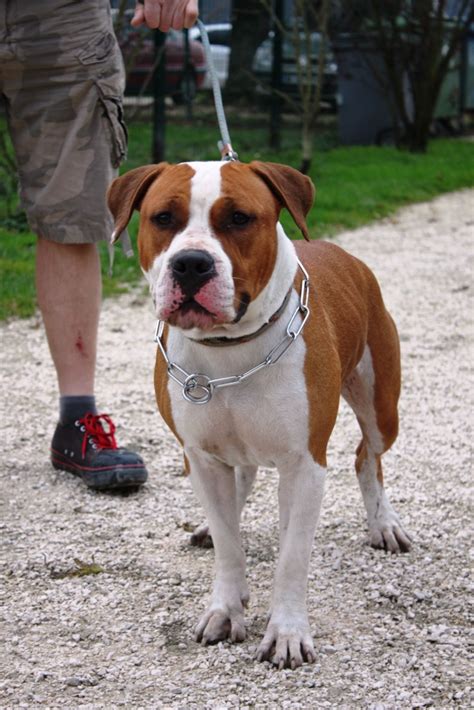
(262, 68)
(219, 39)
(138, 49)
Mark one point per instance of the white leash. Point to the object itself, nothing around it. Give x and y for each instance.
(224, 144)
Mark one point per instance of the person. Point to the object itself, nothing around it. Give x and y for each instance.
(62, 82)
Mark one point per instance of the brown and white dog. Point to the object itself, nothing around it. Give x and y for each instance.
(220, 266)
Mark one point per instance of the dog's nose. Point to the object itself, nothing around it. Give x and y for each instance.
(191, 268)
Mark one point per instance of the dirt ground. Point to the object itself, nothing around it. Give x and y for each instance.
(390, 631)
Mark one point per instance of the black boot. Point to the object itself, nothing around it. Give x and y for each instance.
(85, 448)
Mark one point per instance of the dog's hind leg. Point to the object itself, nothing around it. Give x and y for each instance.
(244, 480)
(372, 390)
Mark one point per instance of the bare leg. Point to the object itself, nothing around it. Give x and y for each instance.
(287, 641)
(244, 480)
(69, 289)
(214, 484)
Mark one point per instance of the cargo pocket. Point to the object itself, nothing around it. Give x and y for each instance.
(102, 60)
(112, 112)
(98, 49)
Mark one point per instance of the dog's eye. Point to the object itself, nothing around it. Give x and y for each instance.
(240, 218)
(162, 219)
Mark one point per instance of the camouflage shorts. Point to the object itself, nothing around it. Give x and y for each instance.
(62, 79)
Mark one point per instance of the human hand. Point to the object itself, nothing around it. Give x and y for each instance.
(166, 14)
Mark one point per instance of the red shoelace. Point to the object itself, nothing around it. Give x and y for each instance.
(102, 438)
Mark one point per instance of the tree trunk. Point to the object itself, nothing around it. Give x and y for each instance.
(306, 146)
(307, 17)
(417, 41)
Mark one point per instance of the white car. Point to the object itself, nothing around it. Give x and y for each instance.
(219, 38)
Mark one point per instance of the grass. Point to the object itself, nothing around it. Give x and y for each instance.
(81, 569)
(355, 185)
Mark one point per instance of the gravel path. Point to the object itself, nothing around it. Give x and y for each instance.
(390, 632)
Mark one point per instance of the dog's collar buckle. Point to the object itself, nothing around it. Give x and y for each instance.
(198, 388)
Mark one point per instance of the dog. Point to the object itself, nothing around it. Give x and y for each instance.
(258, 338)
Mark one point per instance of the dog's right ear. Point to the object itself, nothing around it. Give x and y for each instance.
(126, 193)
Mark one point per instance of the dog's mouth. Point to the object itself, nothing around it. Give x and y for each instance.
(191, 314)
(192, 306)
(207, 308)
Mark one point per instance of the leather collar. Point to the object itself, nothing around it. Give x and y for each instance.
(223, 341)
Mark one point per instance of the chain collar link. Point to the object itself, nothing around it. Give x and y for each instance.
(198, 388)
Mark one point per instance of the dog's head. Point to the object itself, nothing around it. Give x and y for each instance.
(208, 233)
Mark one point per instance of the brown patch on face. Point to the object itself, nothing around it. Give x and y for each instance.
(164, 212)
(252, 245)
(126, 192)
(292, 189)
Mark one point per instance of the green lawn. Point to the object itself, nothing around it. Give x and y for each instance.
(355, 185)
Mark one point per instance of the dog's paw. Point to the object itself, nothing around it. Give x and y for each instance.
(387, 533)
(287, 645)
(219, 624)
(201, 537)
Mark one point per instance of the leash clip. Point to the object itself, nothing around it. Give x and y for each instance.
(227, 152)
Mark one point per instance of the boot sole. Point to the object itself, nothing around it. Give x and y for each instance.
(105, 478)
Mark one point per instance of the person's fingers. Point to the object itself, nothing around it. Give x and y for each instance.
(186, 15)
(138, 16)
(155, 16)
(171, 14)
(192, 13)
(176, 14)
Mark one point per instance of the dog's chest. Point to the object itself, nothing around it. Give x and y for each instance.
(258, 422)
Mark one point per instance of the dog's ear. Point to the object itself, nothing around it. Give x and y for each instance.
(293, 190)
(126, 193)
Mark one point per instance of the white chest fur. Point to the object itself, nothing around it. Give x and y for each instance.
(261, 421)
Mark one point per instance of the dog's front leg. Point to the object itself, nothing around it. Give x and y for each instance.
(288, 641)
(214, 484)
(244, 480)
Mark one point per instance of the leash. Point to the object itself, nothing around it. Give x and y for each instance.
(224, 145)
(198, 388)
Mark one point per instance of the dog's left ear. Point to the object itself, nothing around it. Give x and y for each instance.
(293, 190)
(126, 193)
